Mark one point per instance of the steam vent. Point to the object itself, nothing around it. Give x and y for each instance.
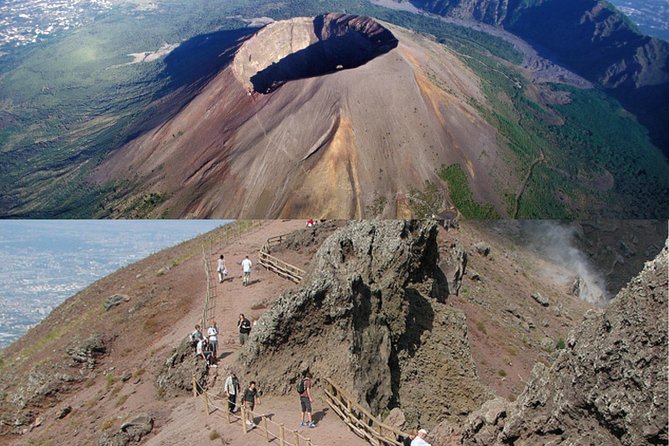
(305, 47)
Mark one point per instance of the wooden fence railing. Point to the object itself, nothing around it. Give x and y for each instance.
(229, 232)
(278, 266)
(271, 431)
(358, 419)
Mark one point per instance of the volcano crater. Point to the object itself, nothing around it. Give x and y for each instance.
(306, 47)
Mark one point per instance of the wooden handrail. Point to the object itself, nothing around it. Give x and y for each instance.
(283, 434)
(359, 419)
(276, 265)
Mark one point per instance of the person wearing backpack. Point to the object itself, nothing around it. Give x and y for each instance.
(304, 389)
(231, 388)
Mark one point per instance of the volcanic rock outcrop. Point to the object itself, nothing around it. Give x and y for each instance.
(608, 387)
(332, 117)
(371, 316)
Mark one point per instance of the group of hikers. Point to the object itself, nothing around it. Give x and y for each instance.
(250, 398)
(207, 348)
(246, 270)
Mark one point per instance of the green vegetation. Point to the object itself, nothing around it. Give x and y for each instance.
(461, 195)
(560, 344)
(480, 326)
(588, 156)
(107, 424)
(66, 104)
(424, 203)
(110, 380)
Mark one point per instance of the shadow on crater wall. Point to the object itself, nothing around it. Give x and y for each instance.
(342, 45)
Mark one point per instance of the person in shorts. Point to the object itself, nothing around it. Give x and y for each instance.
(305, 401)
(249, 401)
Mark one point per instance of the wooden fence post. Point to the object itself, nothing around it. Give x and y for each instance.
(206, 402)
(244, 419)
(264, 422)
(194, 387)
(309, 442)
(227, 413)
(297, 438)
(282, 432)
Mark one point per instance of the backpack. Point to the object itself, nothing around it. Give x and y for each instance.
(300, 386)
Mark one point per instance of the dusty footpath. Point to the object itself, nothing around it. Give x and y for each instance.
(195, 427)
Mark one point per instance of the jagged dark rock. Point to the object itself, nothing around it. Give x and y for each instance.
(115, 300)
(609, 386)
(176, 375)
(455, 267)
(130, 431)
(370, 315)
(541, 300)
(88, 351)
(482, 248)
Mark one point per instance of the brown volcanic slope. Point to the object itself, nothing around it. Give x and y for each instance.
(350, 114)
(507, 332)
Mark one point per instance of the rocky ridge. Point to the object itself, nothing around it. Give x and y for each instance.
(375, 302)
(608, 387)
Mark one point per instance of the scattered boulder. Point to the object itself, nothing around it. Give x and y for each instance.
(115, 300)
(138, 426)
(131, 431)
(176, 375)
(608, 386)
(476, 277)
(65, 411)
(88, 351)
(482, 248)
(162, 271)
(126, 376)
(541, 300)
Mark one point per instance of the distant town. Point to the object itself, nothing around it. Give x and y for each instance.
(29, 21)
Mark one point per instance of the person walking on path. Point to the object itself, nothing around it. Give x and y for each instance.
(244, 326)
(246, 270)
(420, 439)
(212, 333)
(231, 388)
(249, 401)
(304, 389)
(220, 268)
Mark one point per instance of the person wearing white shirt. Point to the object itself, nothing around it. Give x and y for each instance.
(231, 388)
(420, 439)
(220, 268)
(212, 333)
(246, 271)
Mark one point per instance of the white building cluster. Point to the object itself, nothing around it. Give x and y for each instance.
(29, 21)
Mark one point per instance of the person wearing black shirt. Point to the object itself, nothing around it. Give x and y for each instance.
(244, 326)
(249, 401)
